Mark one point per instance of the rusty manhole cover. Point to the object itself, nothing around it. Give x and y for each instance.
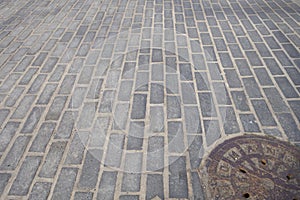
(252, 167)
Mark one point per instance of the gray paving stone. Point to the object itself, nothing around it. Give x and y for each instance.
(99, 132)
(15, 154)
(154, 186)
(233, 78)
(273, 66)
(263, 113)
(32, 120)
(40, 59)
(76, 149)
(139, 106)
(156, 93)
(155, 154)
(66, 125)
(40, 191)
(42, 138)
(90, 170)
(129, 197)
(221, 93)
(87, 115)
(7, 134)
(157, 72)
(289, 126)
(114, 150)
(263, 77)
(176, 136)
(172, 84)
(196, 185)
(142, 81)
(294, 74)
(7, 85)
(178, 187)
(83, 195)
(243, 67)
(207, 104)
(120, 116)
(282, 58)
(52, 160)
(209, 53)
(57, 73)
(240, 100)
(135, 136)
(252, 87)
(25, 176)
(4, 178)
(285, 86)
(195, 150)
(56, 108)
(65, 183)
(276, 100)
(67, 84)
(249, 123)
(188, 93)
(157, 119)
(86, 74)
(295, 108)
(192, 119)
(107, 186)
(46, 94)
(229, 120)
(107, 101)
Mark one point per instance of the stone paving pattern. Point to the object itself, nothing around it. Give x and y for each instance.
(120, 99)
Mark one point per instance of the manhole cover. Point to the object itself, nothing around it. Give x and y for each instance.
(252, 167)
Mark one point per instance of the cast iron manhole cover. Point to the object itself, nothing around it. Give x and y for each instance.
(252, 167)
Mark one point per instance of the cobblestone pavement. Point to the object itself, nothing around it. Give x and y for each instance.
(121, 99)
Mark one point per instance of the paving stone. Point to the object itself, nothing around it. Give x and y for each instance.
(263, 77)
(294, 74)
(56, 108)
(107, 185)
(32, 120)
(40, 190)
(285, 86)
(233, 78)
(7, 85)
(273, 66)
(196, 185)
(172, 84)
(207, 104)
(142, 81)
(295, 108)
(252, 87)
(156, 93)
(263, 113)
(229, 120)
(139, 106)
(192, 120)
(195, 150)
(7, 134)
(282, 58)
(87, 115)
(188, 93)
(176, 136)
(120, 116)
(107, 101)
(65, 183)
(4, 178)
(114, 150)
(15, 154)
(249, 123)
(185, 72)
(243, 67)
(240, 100)
(129, 197)
(154, 186)
(276, 100)
(66, 125)
(210, 54)
(221, 93)
(52, 160)
(83, 195)
(90, 170)
(47, 94)
(67, 84)
(157, 119)
(43, 136)
(135, 136)
(178, 177)
(289, 126)
(25, 176)
(155, 154)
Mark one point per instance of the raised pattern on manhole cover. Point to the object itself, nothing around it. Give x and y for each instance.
(252, 167)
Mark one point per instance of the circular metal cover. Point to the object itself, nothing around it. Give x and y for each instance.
(252, 167)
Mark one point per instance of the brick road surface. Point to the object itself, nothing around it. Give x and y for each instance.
(121, 99)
